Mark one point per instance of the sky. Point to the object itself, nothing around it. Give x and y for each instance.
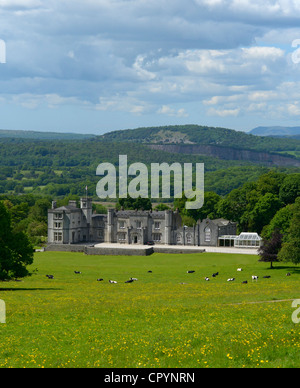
(94, 66)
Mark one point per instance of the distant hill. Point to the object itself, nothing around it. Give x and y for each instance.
(195, 134)
(34, 135)
(292, 132)
(219, 143)
(57, 164)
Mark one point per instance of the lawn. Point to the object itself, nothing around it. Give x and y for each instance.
(75, 321)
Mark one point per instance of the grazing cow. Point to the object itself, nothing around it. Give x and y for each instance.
(214, 275)
(77, 272)
(191, 271)
(50, 276)
(240, 270)
(231, 280)
(245, 282)
(100, 280)
(267, 277)
(207, 279)
(255, 278)
(288, 274)
(130, 281)
(149, 271)
(113, 282)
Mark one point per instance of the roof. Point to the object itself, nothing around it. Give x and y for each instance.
(249, 236)
(66, 208)
(222, 222)
(140, 213)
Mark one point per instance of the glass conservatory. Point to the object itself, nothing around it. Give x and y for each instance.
(227, 241)
(248, 240)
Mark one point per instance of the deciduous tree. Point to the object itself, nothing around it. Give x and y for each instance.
(16, 252)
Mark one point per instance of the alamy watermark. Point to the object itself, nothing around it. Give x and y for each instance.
(296, 313)
(160, 177)
(296, 53)
(2, 311)
(2, 51)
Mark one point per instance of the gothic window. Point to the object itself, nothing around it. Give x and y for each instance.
(122, 236)
(157, 237)
(178, 239)
(189, 238)
(207, 233)
(58, 237)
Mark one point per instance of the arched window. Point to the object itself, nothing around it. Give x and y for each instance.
(207, 232)
(178, 239)
(189, 238)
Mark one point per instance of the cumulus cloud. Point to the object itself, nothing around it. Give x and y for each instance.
(228, 57)
(167, 110)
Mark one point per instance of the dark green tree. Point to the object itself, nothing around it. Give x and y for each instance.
(270, 249)
(270, 182)
(263, 212)
(134, 204)
(290, 189)
(290, 251)
(16, 252)
(281, 221)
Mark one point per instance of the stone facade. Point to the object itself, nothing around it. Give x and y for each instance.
(72, 225)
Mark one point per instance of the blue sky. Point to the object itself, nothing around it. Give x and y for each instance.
(92, 66)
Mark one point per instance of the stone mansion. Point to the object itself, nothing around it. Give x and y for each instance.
(72, 225)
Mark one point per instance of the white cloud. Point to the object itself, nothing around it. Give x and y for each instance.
(224, 112)
(152, 57)
(20, 3)
(167, 110)
(51, 101)
(294, 109)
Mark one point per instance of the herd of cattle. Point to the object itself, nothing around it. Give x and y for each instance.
(214, 275)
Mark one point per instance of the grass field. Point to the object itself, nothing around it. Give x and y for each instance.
(75, 321)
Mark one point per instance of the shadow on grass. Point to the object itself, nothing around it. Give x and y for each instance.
(292, 270)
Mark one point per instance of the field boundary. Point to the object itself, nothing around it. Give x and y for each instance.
(143, 250)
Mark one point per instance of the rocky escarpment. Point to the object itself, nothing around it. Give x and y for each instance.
(229, 153)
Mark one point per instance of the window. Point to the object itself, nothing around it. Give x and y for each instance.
(189, 238)
(178, 239)
(207, 233)
(58, 237)
(57, 225)
(157, 225)
(122, 224)
(122, 236)
(58, 216)
(157, 237)
(138, 224)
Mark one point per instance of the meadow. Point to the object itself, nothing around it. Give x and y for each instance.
(155, 322)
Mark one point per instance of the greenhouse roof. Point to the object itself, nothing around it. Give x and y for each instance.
(249, 236)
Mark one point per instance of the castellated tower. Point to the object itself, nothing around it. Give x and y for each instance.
(168, 227)
(110, 220)
(86, 206)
